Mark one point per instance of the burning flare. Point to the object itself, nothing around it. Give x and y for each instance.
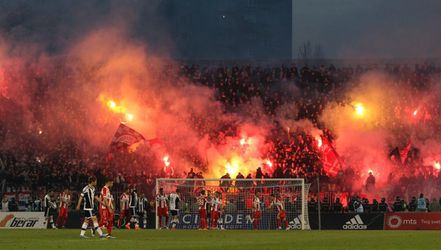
(116, 108)
(318, 138)
(166, 160)
(359, 109)
(436, 165)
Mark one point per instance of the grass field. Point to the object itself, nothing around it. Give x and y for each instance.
(250, 240)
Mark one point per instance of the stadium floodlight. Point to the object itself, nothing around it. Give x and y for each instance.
(235, 203)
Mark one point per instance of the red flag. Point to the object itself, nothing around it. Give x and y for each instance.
(330, 157)
(404, 152)
(125, 137)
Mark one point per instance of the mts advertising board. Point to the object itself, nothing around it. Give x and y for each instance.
(412, 221)
(22, 220)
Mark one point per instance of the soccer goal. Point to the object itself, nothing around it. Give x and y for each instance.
(234, 203)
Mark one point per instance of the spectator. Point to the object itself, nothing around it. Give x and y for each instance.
(366, 205)
(398, 205)
(5, 204)
(13, 206)
(404, 205)
(338, 207)
(413, 204)
(422, 204)
(383, 207)
(375, 206)
(434, 206)
(370, 182)
(358, 206)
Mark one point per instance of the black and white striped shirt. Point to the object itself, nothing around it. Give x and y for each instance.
(142, 204)
(48, 203)
(133, 201)
(88, 195)
(174, 201)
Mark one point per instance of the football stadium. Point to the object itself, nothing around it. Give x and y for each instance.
(207, 124)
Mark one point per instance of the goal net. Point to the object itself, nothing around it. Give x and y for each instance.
(233, 203)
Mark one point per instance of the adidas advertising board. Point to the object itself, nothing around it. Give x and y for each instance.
(296, 223)
(348, 221)
(355, 223)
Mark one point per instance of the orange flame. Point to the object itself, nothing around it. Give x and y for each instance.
(437, 165)
(232, 168)
(359, 109)
(129, 117)
(269, 163)
(166, 160)
(243, 141)
(318, 138)
(116, 108)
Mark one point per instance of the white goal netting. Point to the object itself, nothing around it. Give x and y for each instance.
(232, 204)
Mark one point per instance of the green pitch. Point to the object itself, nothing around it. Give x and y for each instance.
(226, 240)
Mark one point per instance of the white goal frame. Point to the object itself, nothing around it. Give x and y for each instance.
(301, 182)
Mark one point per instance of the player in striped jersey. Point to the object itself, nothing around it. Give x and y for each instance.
(89, 198)
(202, 204)
(162, 211)
(281, 213)
(174, 208)
(216, 208)
(106, 208)
(257, 212)
(123, 208)
(133, 203)
(49, 205)
(142, 209)
(64, 206)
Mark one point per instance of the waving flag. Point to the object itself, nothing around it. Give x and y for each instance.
(125, 137)
(330, 157)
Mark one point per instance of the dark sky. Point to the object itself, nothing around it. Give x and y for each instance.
(237, 29)
(371, 28)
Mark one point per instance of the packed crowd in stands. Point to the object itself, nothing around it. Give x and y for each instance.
(23, 171)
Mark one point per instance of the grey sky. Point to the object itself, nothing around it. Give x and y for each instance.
(370, 29)
(237, 29)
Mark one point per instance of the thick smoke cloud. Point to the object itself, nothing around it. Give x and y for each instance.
(392, 115)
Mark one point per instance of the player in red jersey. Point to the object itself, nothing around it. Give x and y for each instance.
(111, 216)
(162, 202)
(123, 208)
(106, 208)
(281, 213)
(202, 204)
(216, 208)
(257, 212)
(64, 205)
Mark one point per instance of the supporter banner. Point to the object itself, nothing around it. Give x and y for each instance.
(240, 221)
(351, 221)
(412, 221)
(22, 220)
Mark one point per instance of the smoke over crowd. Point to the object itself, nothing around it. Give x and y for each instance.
(72, 101)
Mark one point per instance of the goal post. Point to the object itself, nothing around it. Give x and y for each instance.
(237, 209)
